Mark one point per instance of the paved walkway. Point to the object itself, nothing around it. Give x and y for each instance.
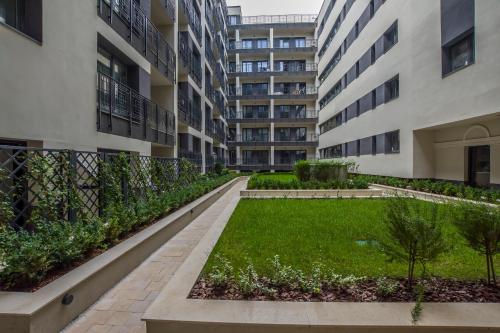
(121, 309)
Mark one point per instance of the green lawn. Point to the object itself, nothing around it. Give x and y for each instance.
(331, 232)
(279, 176)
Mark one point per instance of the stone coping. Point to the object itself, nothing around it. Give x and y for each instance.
(43, 311)
(317, 194)
(172, 311)
(391, 190)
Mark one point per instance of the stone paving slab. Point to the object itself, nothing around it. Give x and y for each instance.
(121, 309)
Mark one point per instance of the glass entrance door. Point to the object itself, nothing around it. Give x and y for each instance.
(479, 166)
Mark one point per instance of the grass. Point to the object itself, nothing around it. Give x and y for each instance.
(303, 232)
(279, 176)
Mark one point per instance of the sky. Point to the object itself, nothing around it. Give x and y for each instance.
(277, 7)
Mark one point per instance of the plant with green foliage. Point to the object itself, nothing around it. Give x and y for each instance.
(416, 312)
(415, 234)
(303, 170)
(221, 272)
(6, 211)
(281, 275)
(386, 287)
(480, 226)
(247, 280)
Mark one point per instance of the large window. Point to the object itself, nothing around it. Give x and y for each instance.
(23, 15)
(246, 44)
(461, 54)
(262, 44)
(392, 142)
(246, 66)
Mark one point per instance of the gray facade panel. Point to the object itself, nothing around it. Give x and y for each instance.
(365, 61)
(366, 146)
(352, 111)
(457, 18)
(365, 103)
(380, 94)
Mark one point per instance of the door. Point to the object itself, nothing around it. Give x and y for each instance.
(479, 166)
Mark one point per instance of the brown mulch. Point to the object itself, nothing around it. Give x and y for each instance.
(436, 290)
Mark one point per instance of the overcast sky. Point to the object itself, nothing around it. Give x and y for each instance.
(276, 7)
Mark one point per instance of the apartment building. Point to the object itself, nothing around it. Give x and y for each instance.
(411, 88)
(115, 75)
(272, 90)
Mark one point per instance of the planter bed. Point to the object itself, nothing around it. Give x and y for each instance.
(354, 193)
(456, 298)
(53, 306)
(289, 181)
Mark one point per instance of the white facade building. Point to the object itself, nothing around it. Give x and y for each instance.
(412, 88)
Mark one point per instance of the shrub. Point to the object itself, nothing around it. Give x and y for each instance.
(281, 275)
(221, 272)
(247, 280)
(303, 170)
(386, 287)
(480, 226)
(218, 168)
(414, 234)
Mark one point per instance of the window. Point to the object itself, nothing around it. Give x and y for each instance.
(246, 67)
(392, 142)
(332, 152)
(262, 66)
(246, 44)
(300, 42)
(461, 54)
(24, 16)
(234, 20)
(262, 44)
(391, 36)
(392, 89)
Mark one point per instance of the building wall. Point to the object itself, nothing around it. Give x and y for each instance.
(426, 98)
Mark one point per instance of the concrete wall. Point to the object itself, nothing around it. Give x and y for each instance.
(426, 99)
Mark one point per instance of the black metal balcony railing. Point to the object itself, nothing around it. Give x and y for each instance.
(193, 18)
(123, 111)
(278, 19)
(189, 113)
(170, 7)
(195, 157)
(297, 44)
(251, 138)
(308, 137)
(209, 19)
(219, 102)
(221, 77)
(209, 54)
(278, 115)
(287, 68)
(257, 92)
(220, 47)
(263, 44)
(128, 19)
(209, 91)
(220, 133)
(189, 60)
(209, 127)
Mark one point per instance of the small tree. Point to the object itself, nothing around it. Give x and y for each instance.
(415, 234)
(480, 225)
(303, 170)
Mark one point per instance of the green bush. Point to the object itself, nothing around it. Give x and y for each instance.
(303, 170)
(27, 257)
(480, 226)
(414, 234)
(274, 184)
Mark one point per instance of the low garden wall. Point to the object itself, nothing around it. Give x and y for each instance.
(52, 307)
(174, 311)
(350, 193)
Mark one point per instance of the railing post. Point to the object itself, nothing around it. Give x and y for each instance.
(98, 120)
(130, 112)
(130, 19)
(111, 103)
(157, 124)
(72, 181)
(145, 118)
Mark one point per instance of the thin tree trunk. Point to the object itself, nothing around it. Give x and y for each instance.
(493, 275)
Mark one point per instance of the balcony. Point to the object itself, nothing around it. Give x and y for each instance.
(292, 116)
(209, 55)
(308, 139)
(189, 59)
(250, 164)
(221, 77)
(192, 18)
(264, 140)
(210, 92)
(257, 47)
(209, 19)
(221, 48)
(163, 11)
(219, 103)
(299, 69)
(129, 20)
(195, 157)
(293, 19)
(239, 93)
(124, 112)
(307, 45)
(189, 113)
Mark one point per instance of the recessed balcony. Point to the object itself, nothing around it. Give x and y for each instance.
(129, 20)
(123, 111)
(302, 93)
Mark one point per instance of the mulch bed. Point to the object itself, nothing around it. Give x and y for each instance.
(436, 290)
